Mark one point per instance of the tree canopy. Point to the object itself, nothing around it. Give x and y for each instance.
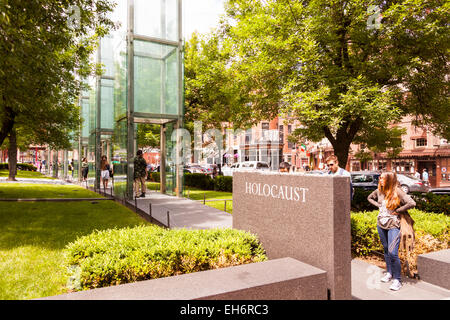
(45, 46)
(326, 65)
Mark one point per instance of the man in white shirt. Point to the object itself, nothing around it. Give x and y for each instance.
(417, 175)
(334, 169)
(425, 176)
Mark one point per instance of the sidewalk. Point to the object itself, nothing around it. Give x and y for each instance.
(182, 213)
(35, 180)
(366, 286)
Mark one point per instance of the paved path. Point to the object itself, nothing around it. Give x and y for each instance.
(183, 213)
(34, 180)
(366, 286)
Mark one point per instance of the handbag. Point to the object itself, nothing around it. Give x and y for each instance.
(407, 240)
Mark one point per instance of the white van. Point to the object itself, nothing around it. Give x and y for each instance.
(228, 170)
(254, 166)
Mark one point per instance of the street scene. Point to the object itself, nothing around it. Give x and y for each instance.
(262, 150)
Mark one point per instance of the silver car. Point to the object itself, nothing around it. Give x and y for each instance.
(411, 184)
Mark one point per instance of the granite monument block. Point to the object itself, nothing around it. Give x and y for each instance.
(306, 217)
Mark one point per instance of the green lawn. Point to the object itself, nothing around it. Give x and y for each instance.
(197, 194)
(33, 236)
(25, 174)
(32, 190)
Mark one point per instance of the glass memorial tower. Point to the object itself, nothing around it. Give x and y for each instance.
(141, 83)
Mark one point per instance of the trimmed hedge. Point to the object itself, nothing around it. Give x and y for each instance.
(118, 256)
(427, 202)
(154, 176)
(223, 183)
(359, 202)
(199, 180)
(430, 202)
(20, 166)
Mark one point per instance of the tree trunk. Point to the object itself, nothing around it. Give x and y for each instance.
(341, 152)
(12, 155)
(7, 123)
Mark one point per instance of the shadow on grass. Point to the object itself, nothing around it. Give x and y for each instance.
(54, 225)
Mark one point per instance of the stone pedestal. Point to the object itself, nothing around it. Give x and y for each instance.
(306, 217)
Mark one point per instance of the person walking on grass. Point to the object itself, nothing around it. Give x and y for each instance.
(392, 202)
(104, 167)
(140, 174)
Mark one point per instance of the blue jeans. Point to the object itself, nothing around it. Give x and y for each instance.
(390, 239)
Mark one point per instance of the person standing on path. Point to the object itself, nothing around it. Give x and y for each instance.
(425, 177)
(417, 174)
(104, 167)
(392, 202)
(140, 174)
(84, 169)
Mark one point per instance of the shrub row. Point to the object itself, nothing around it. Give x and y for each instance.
(427, 202)
(430, 202)
(118, 256)
(201, 181)
(20, 166)
(153, 176)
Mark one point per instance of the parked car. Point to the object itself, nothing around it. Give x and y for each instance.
(195, 168)
(411, 184)
(365, 180)
(316, 172)
(254, 166)
(229, 170)
(442, 191)
(209, 168)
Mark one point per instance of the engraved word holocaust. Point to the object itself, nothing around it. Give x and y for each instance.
(276, 191)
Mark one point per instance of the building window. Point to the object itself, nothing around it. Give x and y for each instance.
(422, 142)
(265, 126)
(248, 136)
(281, 136)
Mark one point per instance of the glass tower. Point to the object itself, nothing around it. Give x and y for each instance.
(141, 83)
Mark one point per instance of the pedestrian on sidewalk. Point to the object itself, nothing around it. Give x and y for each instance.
(393, 204)
(104, 167)
(84, 169)
(140, 174)
(425, 177)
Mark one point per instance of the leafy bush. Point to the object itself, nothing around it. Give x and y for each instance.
(430, 202)
(117, 256)
(364, 233)
(359, 201)
(20, 166)
(199, 180)
(223, 183)
(427, 202)
(154, 176)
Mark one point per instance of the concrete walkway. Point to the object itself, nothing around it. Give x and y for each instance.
(366, 286)
(34, 180)
(182, 213)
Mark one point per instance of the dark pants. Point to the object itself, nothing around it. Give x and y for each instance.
(390, 239)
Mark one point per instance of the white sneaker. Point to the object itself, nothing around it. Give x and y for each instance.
(396, 285)
(387, 277)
